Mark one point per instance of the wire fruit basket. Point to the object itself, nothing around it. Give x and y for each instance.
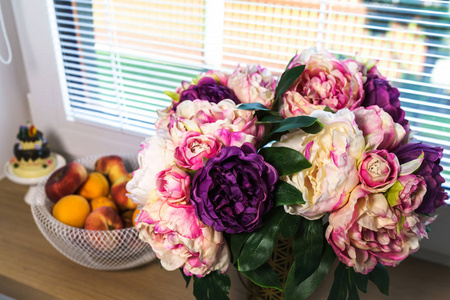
(102, 250)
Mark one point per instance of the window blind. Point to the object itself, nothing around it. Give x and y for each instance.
(120, 56)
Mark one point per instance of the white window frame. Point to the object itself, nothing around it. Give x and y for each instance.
(46, 95)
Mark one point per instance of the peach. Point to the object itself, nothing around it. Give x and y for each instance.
(119, 193)
(65, 181)
(127, 218)
(95, 186)
(103, 218)
(111, 166)
(103, 201)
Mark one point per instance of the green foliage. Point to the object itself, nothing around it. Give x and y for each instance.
(286, 194)
(287, 78)
(295, 290)
(286, 160)
(214, 286)
(257, 249)
(264, 276)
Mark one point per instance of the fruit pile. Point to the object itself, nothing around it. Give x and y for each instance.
(93, 201)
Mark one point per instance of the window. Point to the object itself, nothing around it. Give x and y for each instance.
(117, 57)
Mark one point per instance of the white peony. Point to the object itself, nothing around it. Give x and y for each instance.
(156, 155)
(334, 154)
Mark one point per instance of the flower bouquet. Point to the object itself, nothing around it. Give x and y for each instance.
(324, 156)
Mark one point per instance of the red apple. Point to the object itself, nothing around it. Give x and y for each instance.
(65, 181)
(103, 218)
(119, 193)
(112, 166)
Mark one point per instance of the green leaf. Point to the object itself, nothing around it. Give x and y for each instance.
(294, 123)
(264, 276)
(259, 246)
(289, 225)
(328, 109)
(314, 128)
(222, 281)
(253, 106)
(361, 281)
(339, 289)
(392, 195)
(215, 286)
(236, 242)
(308, 249)
(380, 276)
(286, 194)
(285, 160)
(290, 61)
(287, 78)
(173, 95)
(186, 278)
(269, 138)
(270, 119)
(307, 287)
(351, 285)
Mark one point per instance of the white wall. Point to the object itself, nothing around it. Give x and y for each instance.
(13, 88)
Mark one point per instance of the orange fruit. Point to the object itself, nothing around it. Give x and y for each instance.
(103, 201)
(95, 186)
(72, 210)
(135, 214)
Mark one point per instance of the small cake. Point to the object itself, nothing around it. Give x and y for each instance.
(32, 157)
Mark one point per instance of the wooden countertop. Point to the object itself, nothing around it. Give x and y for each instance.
(30, 268)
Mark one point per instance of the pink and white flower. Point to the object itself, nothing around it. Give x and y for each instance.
(412, 189)
(143, 182)
(334, 154)
(180, 240)
(207, 118)
(326, 81)
(378, 171)
(173, 185)
(367, 230)
(194, 147)
(380, 131)
(253, 84)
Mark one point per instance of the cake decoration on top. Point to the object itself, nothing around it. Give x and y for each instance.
(32, 156)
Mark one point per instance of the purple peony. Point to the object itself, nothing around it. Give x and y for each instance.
(379, 92)
(430, 170)
(209, 90)
(234, 190)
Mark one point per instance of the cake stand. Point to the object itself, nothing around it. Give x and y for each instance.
(32, 182)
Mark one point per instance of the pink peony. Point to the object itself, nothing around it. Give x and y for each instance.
(326, 81)
(380, 131)
(193, 148)
(207, 118)
(409, 192)
(180, 240)
(253, 84)
(173, 185)
(367, 230)
(378, 171)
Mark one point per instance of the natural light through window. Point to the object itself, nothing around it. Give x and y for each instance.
(120, 56)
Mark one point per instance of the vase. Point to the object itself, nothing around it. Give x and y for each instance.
(281, 261)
